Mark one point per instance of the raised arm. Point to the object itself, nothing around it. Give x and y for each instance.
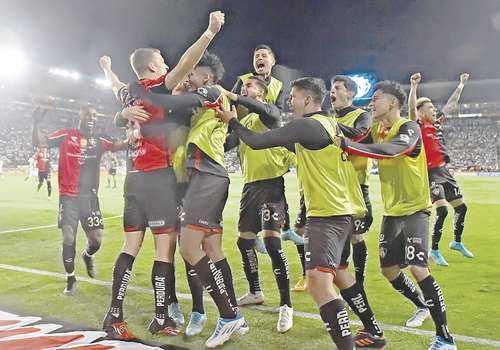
(412, 98)
(452, 102)
(37, 137)
(193, 54)
(116, 84)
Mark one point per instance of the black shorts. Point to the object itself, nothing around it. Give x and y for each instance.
(204, 201)
(301, 216)
(262, 206)
(43, 175)
(324, 241)
(83, 208)
(404, 240)
(443, 185)
(112, 172)
(150, 201)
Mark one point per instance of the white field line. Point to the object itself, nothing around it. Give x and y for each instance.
(388, 327)
(46, 226)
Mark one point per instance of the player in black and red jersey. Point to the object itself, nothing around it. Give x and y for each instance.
(42, 161)
(444, 188)
(80, 152)
(150, 184)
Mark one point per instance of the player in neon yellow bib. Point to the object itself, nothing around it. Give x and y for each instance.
(404, 237)
(332, 197)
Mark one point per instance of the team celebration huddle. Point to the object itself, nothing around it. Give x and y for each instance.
(179, 122)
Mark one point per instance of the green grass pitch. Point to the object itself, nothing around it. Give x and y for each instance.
(471, 286)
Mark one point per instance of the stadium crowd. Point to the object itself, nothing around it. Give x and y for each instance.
(480, 135)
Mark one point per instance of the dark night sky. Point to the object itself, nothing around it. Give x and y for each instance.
(389, 37)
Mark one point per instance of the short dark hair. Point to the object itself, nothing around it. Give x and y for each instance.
(315, 86)
(349, 84)
(392, 88)
(214, 63)
(259, 80)
(141, 58)
(264, 47)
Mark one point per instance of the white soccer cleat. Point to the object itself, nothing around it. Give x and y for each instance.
(251, 299)
(418, 318)
(285, 319)
(175, 312)
(223, 330)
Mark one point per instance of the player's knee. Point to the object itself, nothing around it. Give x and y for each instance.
(442, 212)
(461, 209)
(390, 273)
(419, 272)
(356, 238)
(68, 235)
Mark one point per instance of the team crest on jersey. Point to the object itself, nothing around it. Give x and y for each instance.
(435, 191)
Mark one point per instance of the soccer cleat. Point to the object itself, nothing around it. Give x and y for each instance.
(223, 330)
(438, 258)
(363, 339)
(251, 299)
(196, 323)
(260, 246)
(70, 286)
(116, 328)
(49, 198)
(461, 248)
(441, 343)
(169, 327)
(291, 235)
(301, 285)
(89, 264)
(244, 329)
(418, 318)
(175, 312)
(285, 319)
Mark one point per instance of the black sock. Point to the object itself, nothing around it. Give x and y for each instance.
(122, 272)
(336, 319)
(172, 295)
(49, 188)
(280, 268)
(360, 258)
(286, 223)
(250, 263)
(356, 298)
(68, 253)
(435, 301)
(405, 286)
(213, 280)
(39, 186)
(223, 265)
(161, 281)
(300, 250)
(441, 213)
(458, 222)
(196, 289)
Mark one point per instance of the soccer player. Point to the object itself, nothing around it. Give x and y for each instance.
(112, 164)
(42, 159)
(150, 184)
(320, 164)
(264, 60)
(398, 146)
(262, 205)
(355, 124)
(80, 152)
(204, 201)
(32, 172)
(444, 188)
